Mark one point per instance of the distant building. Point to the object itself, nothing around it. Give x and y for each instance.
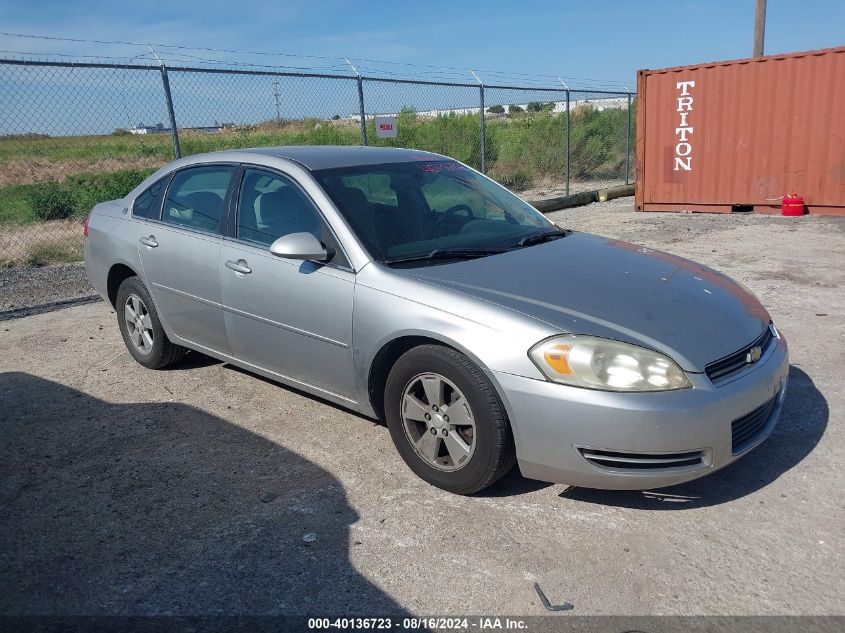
(159, 128)
(600, 104)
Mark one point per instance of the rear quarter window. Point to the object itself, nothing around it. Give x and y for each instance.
(148, 203)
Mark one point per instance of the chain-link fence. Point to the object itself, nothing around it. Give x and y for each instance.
(74, 134)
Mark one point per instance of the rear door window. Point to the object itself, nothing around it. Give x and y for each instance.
(196, 196)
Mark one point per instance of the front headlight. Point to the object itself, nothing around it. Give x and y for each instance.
(599, 363)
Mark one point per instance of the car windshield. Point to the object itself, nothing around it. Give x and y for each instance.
(431, 210)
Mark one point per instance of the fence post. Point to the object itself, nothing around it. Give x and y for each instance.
(361, 110)
(483, 133)
(363, 115)
(177, 151)
(565, 87)
(483, 123)
(628, 145)
(568, 142)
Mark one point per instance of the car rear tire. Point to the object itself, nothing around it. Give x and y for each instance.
(447, 421)
(141, 328)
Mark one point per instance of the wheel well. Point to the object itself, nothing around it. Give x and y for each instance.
(383, 363)
(117, 275)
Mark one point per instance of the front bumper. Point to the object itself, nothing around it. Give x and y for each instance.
(555, 425)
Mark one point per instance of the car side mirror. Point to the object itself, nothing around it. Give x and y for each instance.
(300, 246)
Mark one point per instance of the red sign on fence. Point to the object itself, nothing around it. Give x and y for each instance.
(386, 126)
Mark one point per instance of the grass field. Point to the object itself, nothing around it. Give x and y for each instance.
(49, 184)
(46, 178)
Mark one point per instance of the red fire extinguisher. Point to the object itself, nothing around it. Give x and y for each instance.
(792, 204)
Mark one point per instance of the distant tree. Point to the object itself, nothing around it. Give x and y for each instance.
(336, 117)
(514, 109)
(537, 106)
(119, 131)
(496, 109)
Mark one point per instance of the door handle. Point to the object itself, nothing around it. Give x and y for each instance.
(239, 266)
(149, 241)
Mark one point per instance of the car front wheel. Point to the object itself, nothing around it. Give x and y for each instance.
(447, 421)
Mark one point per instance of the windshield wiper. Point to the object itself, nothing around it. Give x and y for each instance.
(447, 253)
(538, 238)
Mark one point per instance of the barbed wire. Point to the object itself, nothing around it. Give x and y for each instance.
(431, 72)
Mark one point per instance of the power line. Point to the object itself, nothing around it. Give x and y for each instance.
(12, 52)
(455, 71)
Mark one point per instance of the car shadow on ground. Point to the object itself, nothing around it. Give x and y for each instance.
(800, 428)
(510, 485)
(194, 360)
(161, 508)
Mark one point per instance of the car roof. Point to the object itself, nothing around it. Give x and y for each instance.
(316, 157)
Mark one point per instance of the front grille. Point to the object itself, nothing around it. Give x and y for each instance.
(728, 365)
(642, 461)
(745, 431)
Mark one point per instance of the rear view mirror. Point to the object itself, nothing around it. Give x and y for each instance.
(300, 246)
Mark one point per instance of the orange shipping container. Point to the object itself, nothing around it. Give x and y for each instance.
(743, 133)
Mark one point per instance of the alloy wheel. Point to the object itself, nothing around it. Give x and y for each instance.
(139, 324)
(438, 422)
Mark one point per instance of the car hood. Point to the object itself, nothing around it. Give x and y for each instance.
(586, 284)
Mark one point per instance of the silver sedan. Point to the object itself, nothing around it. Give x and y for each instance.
(409, 287)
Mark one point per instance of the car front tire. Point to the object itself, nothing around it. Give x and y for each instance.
(446, 420)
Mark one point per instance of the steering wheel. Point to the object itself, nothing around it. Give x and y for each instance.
(451, 211)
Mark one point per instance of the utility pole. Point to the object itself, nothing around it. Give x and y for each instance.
(759, 27)
(276, 97)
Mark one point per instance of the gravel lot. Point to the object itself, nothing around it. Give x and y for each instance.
(31, 288)
(127, 491)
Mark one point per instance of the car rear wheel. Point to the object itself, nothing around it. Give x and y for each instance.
(447, 421)
(141, 328)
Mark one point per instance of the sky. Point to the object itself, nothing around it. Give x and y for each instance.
(589, 42)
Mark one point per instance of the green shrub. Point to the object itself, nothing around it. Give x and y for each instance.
(515, 109)
(496, 109)
(75, 196)
(50, 200)
(537, 106)
(515, 179)
(87, 190)
(458, 136)
(15, 205)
